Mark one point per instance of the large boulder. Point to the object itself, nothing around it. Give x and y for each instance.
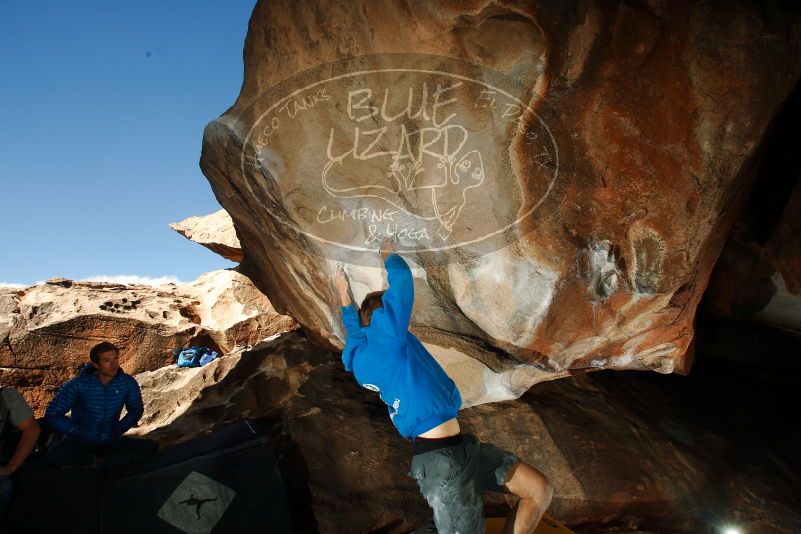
(47, 330)
(561, 177)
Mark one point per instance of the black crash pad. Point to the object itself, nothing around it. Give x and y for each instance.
(225, 482)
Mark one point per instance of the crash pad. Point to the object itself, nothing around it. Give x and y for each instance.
(227, 481)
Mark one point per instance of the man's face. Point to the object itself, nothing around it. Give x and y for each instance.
(107, 363)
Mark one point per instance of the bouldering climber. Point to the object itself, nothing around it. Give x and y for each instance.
(452, 468)
(92, 433)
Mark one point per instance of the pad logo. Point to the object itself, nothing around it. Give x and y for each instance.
(197, 504)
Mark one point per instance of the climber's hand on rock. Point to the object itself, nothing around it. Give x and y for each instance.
(386, 247)
(341, 284)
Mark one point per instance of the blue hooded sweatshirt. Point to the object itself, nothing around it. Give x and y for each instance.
(388, 359)
(95, 408)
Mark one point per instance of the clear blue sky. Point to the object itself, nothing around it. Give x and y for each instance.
(102, 107)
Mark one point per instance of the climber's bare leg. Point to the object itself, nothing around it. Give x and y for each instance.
(534, 491)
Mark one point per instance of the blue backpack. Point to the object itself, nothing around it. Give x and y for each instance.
(193, 356)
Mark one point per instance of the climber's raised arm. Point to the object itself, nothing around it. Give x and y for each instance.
(398, 299)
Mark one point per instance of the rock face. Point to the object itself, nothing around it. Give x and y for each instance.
(215, 232)
(656, 454)
(46, 331)
(561, 177)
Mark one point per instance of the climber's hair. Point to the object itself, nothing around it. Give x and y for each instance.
(94, 354)
(370, 303)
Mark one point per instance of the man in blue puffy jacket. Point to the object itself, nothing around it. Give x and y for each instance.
(452, 468)
(92, 433)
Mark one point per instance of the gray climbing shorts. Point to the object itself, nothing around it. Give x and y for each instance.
(453, 481)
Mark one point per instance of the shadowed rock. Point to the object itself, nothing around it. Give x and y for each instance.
(624, 451)
(758, 276)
